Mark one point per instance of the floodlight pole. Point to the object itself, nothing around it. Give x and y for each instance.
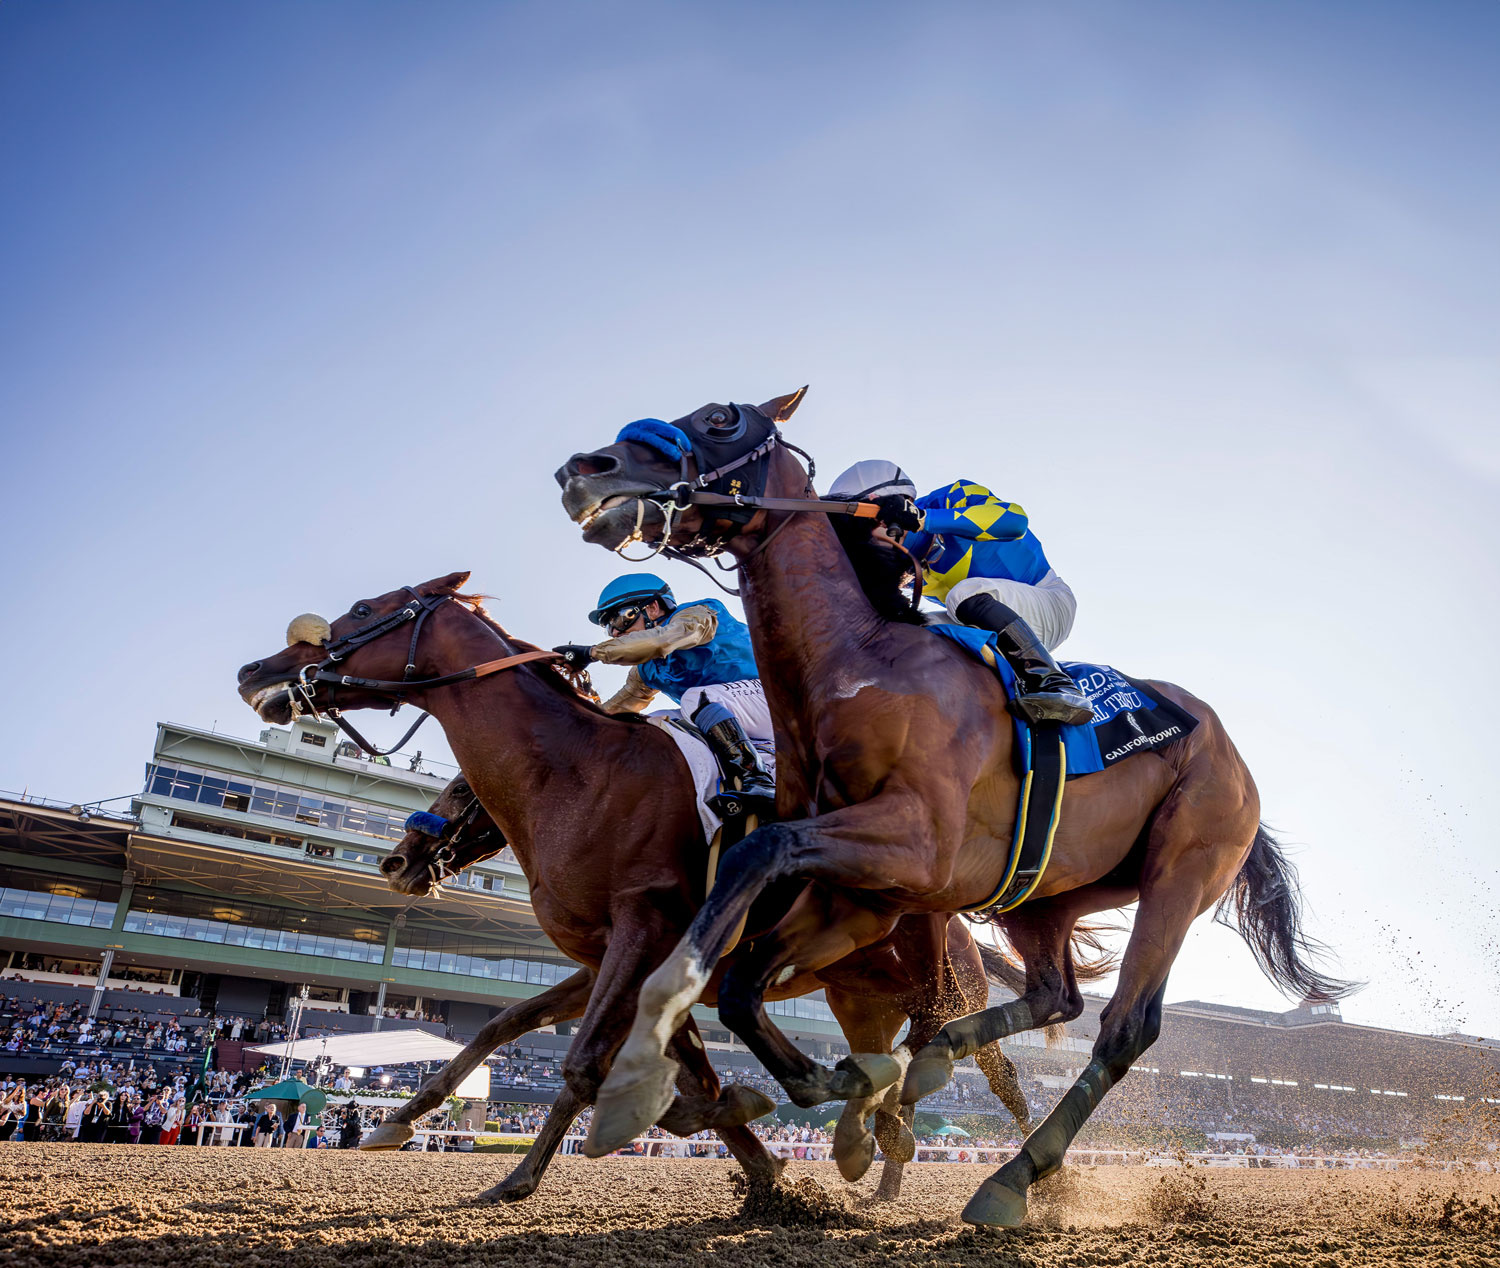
(292, 1032)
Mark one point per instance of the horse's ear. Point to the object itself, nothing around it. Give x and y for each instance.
(780, 408)
(453, 582)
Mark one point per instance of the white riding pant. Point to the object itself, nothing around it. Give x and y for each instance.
(1048, 607)
(745, 699)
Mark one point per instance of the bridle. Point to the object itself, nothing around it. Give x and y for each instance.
(415, 612)
(449, 835)
(717, 486)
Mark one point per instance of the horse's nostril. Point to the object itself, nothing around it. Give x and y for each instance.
(391, 864)
(247, 671)
(592, 464)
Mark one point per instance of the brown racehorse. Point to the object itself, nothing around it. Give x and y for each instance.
(898, 795)
(599, 811)
(420, 863)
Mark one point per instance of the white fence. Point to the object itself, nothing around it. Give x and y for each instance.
(671, 1147)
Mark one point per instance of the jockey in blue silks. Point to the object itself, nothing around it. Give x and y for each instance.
(980, 558)
(698, 654)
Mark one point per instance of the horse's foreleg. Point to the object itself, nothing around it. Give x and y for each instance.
(1000, 1071)
(639, 1087)
(726, 1113)
(870, 1026)
(522, 1182)
(562, 1002)
(822, 927)
(1040, 932)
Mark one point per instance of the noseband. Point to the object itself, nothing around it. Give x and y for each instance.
(414, 611)
(448, 833)
(718, 486)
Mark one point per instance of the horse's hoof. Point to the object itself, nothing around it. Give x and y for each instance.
(856, 1156)
(862, 1075)
(995, 1206)
(895, 1138)
(739, 1105)
(508, 1191)
(625, 1110)
(389, 1135)
(924, 1076)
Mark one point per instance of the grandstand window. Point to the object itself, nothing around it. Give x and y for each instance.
(66, 900)
(438, 952)
(229, 922)
(186, 783)
(359, 856)
(812, 1009)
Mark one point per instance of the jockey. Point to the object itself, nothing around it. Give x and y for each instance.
(699, 655)
(980, 558)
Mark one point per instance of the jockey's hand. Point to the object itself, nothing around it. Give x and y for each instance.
(578, 655)
(898, 511)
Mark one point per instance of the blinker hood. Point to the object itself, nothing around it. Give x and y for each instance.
(716, 436)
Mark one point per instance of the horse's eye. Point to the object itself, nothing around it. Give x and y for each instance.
(360, 610)
(719, 418)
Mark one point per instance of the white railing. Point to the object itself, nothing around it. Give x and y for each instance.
(818, 1151)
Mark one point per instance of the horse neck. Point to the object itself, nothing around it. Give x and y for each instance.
(526, 748)
(810, 622)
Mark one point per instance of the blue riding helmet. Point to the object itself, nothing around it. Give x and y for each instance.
(633, 587)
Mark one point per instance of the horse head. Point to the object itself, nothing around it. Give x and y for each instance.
(623, 492)
(453, 835)
(327, 664)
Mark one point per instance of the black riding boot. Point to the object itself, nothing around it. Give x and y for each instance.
(1044, 693)
(739, 763)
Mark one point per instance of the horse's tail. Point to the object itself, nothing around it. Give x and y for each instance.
(1267, 911)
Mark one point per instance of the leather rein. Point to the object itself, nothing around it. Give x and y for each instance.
(415, 611)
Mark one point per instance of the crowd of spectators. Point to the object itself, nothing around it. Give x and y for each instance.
(41, 1027)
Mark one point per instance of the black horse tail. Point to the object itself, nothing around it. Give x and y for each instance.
(1266, 906)
(1005, 968)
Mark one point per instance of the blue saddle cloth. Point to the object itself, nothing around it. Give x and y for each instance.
(1127, 718)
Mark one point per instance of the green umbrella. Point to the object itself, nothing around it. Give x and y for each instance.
(950, 1130)
(292, 1090)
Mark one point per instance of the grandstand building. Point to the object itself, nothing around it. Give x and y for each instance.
(248, 870)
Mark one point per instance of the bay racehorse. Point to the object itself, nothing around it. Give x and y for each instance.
(599, 810)
(422, 861)
(898, 795)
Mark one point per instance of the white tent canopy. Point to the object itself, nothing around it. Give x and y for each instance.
(380, 1047)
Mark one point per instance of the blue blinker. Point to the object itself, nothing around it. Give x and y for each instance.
(663, 438)
(427, 823)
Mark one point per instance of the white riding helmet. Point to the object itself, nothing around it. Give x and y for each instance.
(872, 478)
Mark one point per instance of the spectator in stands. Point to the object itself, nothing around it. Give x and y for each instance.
(12, 1111)
(73, 1122)
(267, 1125)
(350, 1130)
(94, 1119)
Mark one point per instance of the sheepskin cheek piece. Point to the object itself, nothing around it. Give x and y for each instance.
(308, 628)
(425, 822)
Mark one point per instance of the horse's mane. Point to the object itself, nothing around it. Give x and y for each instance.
(542, 669)
(880, 568)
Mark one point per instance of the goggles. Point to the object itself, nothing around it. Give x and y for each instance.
(621, 619)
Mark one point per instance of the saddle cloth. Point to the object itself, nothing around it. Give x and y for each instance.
(703, 765)
(1127, 720)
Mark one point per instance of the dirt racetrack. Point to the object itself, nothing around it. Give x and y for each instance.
(243, 1208)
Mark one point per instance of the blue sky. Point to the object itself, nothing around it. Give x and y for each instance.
(299, 303)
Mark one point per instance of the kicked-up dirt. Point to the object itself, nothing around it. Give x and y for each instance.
(68, 1204)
